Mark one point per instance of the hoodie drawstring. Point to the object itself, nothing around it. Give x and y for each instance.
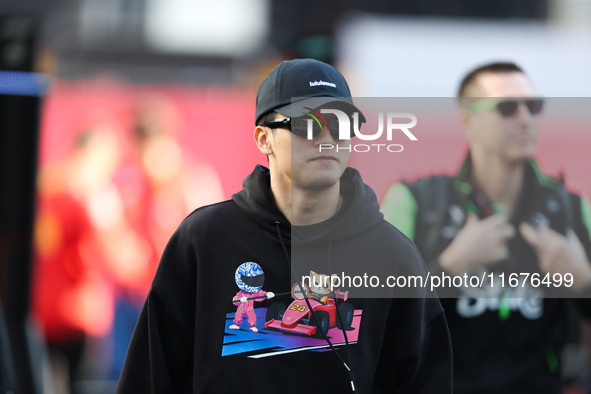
(287, 256)
(338, 315)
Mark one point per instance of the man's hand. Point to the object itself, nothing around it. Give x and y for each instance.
(559, 254)
(480, 242)
(270, 294)
(243, 299)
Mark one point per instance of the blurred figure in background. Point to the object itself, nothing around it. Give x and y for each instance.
(160, 185)
(72, 295)
(105, 213)
(500, 213)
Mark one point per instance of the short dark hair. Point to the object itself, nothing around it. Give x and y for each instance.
(265, 119)
(497, 67)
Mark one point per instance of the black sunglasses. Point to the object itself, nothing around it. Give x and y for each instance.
(299, 126)
(508, 108)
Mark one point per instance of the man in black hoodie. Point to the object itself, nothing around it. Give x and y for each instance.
(208, 325)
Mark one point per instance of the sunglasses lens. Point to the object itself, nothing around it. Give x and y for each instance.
(507, 108)
(300, 127)
(333, 127)
(534, 106)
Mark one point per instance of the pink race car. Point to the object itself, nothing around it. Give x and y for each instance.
(297, 318)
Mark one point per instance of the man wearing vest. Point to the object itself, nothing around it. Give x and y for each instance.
(501, 214)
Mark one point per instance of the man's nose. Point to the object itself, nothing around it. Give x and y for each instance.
(325, 137)
(523, 116)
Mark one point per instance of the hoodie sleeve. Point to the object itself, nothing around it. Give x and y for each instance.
(416, 355)
(160, 355)
(430, 370)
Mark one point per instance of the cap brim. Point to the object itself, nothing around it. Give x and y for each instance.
(300, 107)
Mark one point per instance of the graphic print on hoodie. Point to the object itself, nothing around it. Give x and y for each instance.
(286, 326)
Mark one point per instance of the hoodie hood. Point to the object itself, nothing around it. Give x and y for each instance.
(256, 202)
(363, 209)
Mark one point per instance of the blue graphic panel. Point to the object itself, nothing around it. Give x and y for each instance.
(273, 340)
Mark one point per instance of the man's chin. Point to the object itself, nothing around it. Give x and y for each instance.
(320, 183)
(520, 157)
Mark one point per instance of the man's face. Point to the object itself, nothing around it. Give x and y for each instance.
(302, 162)
(511, 138)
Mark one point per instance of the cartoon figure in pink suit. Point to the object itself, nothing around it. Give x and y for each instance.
(250, 279)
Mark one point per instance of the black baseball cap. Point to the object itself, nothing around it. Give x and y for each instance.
(309, 83)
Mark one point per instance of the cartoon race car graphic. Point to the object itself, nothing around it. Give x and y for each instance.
(297, 317)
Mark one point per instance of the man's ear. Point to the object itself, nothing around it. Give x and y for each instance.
(262, 137)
